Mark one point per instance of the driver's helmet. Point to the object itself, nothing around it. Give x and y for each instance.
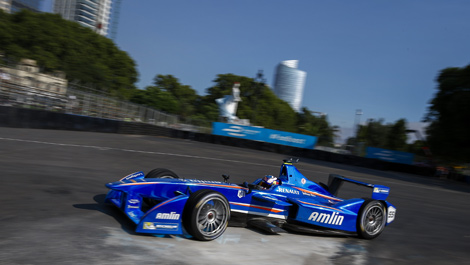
(268, 181)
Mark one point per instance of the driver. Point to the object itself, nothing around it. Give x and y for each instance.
(268, 181)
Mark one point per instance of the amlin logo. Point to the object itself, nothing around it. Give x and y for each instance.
(331, 219)
(168, 216)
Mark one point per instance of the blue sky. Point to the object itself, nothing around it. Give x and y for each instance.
(378, 56)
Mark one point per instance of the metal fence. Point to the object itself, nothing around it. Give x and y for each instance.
(87, 102)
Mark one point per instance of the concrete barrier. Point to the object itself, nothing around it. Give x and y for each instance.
(41, 119)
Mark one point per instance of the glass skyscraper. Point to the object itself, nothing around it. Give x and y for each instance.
(94, 14)
(289, 83)
(13, 6)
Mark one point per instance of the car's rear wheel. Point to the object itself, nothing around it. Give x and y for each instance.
(161, 173)
(206, 214)
(371, 219)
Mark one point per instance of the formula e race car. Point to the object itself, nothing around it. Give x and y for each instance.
(161, 203)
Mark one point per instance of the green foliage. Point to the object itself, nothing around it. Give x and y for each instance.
(417, 148)
(168, 95)
(263, 108)
(388, 136)
(154, 97)
(58, 44)
(449, 114)
(308, 123)
(397, 136)
(259, 104)
(93, 60)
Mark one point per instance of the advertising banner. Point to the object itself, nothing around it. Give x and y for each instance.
(264, 135)
(389, 155)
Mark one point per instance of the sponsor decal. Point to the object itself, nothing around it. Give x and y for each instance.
(241, 194)
(324, 218)
(202, 181)
(291, 191)
(391, 214)
(288, 139)
(168, 216)
(155, 226)
(166, 226)
(381, 190)
(133, 175)
(240, 131)
(133, 201)
(149, 226)
(303, 181)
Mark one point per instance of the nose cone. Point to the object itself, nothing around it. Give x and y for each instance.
(113, 185)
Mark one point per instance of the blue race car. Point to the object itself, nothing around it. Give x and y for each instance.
(162, 203)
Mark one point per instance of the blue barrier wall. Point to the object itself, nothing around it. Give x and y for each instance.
(389, 155)
(264, 135)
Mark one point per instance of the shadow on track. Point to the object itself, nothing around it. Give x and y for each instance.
(126, 224)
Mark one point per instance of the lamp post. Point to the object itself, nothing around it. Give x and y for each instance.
(357, 122)
(258, 84)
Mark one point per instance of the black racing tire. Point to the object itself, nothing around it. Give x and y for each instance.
(206, 214)
(155, 174)
(161, 173)
(371, 219)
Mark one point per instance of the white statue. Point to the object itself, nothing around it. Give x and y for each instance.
(228, 104)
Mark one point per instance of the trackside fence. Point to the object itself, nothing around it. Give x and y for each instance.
(15, 91)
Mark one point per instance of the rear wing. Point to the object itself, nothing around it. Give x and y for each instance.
(335, 182)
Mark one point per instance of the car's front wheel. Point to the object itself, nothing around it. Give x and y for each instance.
(371, 219)
(206, 214)
(161, 173)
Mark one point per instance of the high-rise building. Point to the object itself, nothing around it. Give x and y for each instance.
(5, 5)
(289, 83)
(13, 6)
(94, 14)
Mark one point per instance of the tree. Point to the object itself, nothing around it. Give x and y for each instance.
(388, 136)
(308, 123)
(154, 97)
(86, 57)
(259, 104)
(373, 134)
(397, 136)
(449, 115)
(169, 95)
(184, 95)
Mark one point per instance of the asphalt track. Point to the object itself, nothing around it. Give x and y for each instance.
(52, 211)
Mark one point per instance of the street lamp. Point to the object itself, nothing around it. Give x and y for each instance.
(357, 122)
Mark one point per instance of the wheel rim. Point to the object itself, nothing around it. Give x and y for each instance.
(212, 217)
(373, 221)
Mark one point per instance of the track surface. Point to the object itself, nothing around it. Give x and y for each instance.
(52, 211)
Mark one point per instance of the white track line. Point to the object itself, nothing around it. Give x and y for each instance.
(104, 148)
